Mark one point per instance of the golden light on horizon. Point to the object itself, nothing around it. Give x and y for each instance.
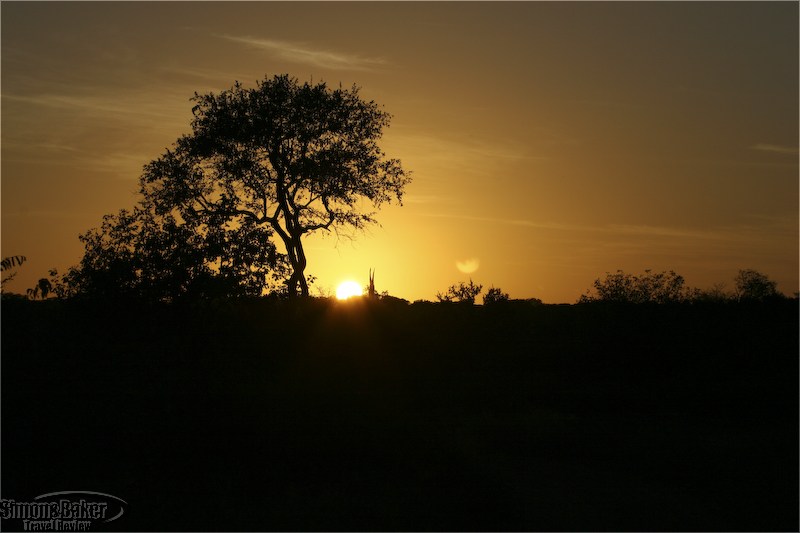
(348, 289)
(572, 157)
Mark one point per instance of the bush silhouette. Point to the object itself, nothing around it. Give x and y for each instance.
(755, 286)
(461, 292)
(662, 287)
(494, 295)
(144, 254)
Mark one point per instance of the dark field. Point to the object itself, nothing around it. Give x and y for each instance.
(261, 415)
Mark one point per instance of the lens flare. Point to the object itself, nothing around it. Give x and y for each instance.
(468, 266)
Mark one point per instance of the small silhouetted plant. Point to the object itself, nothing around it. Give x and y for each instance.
(42, 290)
(461, 292)
(63, 285)
(755, 286)
(494, 296)
(371, 289)
(323, 292)
(662, 287)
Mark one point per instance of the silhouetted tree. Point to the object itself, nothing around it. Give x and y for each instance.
(494, 295)
(753, 285)
(291, 157)
(142, 254)
(663, 287)
(461, 292)
(42, 289)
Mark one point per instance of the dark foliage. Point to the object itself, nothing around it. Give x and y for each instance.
(11, 262)
(145, 255)
(494, 295)
(461, 292)
(662, 287)
(7, 264)
(669, 287)
(268, 414)
(42, 289)
(753, 285)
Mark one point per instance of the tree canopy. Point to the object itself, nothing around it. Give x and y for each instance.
(621, 287)
(669, 287)
(140, 254)
(753, 285)
(461, 292)
(295, 158)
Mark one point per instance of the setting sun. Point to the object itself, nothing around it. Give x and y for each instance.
(348, 289)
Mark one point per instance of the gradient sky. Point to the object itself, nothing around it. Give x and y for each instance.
(549, 142)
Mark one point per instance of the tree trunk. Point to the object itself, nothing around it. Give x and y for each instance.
(291, 236)
(301, 265)
(297, 260)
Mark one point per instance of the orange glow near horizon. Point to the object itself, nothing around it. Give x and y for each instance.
(598, 136)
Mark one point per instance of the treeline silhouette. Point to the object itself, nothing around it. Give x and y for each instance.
(647, 288)
(375, 414)
(150, 270)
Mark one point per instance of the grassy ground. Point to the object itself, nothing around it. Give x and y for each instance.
(259, 415)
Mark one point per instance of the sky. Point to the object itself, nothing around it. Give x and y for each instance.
(549, 143)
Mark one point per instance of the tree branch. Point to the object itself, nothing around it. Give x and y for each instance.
(323, 225)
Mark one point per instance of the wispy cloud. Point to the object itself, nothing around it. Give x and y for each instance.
(301, 53)
(511, 222)
(468, 150)
(423, 199)
(722, 233)
(127, 166)
(606, 103)
(93, 130)
(763, 147)
(124, 164)
(205, 74)
(433, 155)
(94, 104)
(44, 214)
(662, 231)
